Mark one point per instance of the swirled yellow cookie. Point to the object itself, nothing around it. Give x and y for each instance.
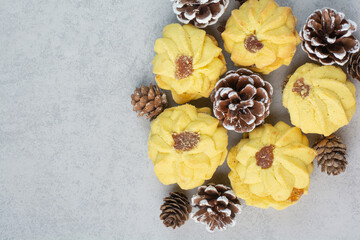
(319, 98)
(271, 166)
(188, 62)
(186, 145)
(261, 35)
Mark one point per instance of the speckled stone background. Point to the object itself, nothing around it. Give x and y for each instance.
(73, 155)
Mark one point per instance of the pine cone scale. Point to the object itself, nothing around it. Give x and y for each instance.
(233, 208)
(258, 108)
(157, 101)
(136, 107)
(248, 117)
(248, 92)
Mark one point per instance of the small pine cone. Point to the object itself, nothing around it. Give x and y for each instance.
(149, 101)
(200, 13)
(353, 67)
(217, 205)
(331, 154)
(241, 100)
(327, 37)
(175, 210)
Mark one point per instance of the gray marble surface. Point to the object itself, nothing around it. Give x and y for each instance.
(73, 155)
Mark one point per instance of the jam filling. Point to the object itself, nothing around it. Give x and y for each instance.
(184, 67)
(185, 141)
(296, 195)
(265, 157)
(301, 88)
(252, 44)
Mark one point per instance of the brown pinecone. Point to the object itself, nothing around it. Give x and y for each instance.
(200, 13)
(217, 205)
(353, 67)
(331, 154)
(175, 210)
(241, 100)
(327, 37)
(149, 101)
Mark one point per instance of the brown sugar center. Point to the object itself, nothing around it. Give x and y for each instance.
(301, 88)
(185, 141)
(252, 44)
(265, 157)
(296, 194)
(184, 67)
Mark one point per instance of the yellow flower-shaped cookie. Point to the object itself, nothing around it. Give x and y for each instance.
(261, 35)
(188, 62)
(271, 167)
(319, 98)
(186, 145)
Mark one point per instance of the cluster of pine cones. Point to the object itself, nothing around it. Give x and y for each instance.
(241, 101)
(217, 207)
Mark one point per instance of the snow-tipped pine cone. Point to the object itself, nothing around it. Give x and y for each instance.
(200, 13)
(327, 37)
(218, 206)
(241, 100)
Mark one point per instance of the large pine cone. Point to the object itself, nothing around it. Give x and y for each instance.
(331, 154)
(175, 210)
(218, 206)
(200, 13)
(353, 67)
(241, 100)
(327, 37)
(149, 101)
